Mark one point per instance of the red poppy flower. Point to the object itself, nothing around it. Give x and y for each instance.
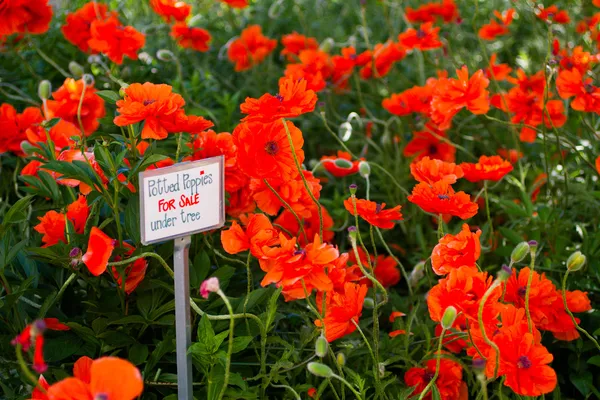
(236, 3)
(292, 101)
(455, 251)
(109, 377)
(77, 27)
(385, 268)
(294, 43)
(258, 232)
(494, 29)
(13, 126)
(99, 250)
(431, 171)
(511, 155)
(572, 84)
(440, 198)
(77, 213)
(343, 67)
(452, 95)
(311, 224)
(52, 226)
(498, 72)
(396, 314)
(60, 134)
(430, 143)
(374, 213)
(191, 38)
(66, 100)
(342, 311)
(264, 150)
(445, 10)
(553, 13)
(340, 165)
(134, 273)
(38, 394)
(424, 38)
(576, 58)
(383, 56)
(22, 16)
(448, 382)
(171, 10)
(414, 100)
(491, 168)
(250, 49)
(116, 41)
(314, 65)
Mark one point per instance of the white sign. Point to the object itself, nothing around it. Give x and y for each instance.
(181, 200)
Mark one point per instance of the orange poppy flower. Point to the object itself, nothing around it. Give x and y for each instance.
(13, 126)
(250, 49)
(431, 171)
(292, 192)
(491, 168)
(258, 232)
(572, 84)
(498, 72)
(445, 10)
(78, 25)
(38, 394)
(65, 105)
(396, 314)
(60, 134)
(454, 251)
(374, 213)
(99, 250)
(440, 198)
(25, 17)
(294, 43)
(191, 38)
(236, 3)
(430, 143)
(171, 10)
(264, 150)
(424, 38)
(537, 184)
(511, 155)
(577, 58)
(414, 100)
(383, 56)
(287, 221)
(340, 165)
(77, 213)
(385, 268)
(553, 13)
(292, 101)
(82, 369)
(342, 311)
(115, 41)
(109, 377)
(314, 65)
(448, 382)
(134, 273)
(343, 67)
(452, 95)
(494, 29)
(52, 227)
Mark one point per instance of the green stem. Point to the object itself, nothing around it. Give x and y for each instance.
(528, 290)
(50, 61)
(230, 344)
(482, 326)
(366, 341)
(26, 370)
(579, 328)
(437, 367)
(345, 382)
(61, 291)
(179, 140)
(387, 248)
(290, 209)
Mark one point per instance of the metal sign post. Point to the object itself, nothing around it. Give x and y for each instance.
(175, 203)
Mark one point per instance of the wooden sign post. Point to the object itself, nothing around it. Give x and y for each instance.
(175, 203)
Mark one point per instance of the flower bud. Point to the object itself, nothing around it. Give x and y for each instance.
(519, 252)
(416, 274)
(321, 346)
(369, 303)
(44, 89)
(165, 55)
(75, 69)
(327, 45)
(319, 369)
(88, 79)
(353, 233)
(381, 369)
(449, 317)
(576, 261)
(210, 285)
(504, 273)
(342, 163)
(122, 91)
(353, 188)
(341, 359)
(364, 169)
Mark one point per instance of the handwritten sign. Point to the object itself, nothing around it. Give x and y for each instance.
(181, 200)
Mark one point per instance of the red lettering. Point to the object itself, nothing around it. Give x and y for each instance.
(166, 205)
(186, 201)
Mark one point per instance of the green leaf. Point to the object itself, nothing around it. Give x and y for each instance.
(240, 343)
(109, 96)
(224, 274)
(206, 334)
(130, 319)
(138, 353)
(595, 360)
(116, 338)
(512, 209)
(272, 309)
(199, 269)
(18, 211)
(215, 382)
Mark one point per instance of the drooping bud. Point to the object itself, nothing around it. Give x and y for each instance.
(504, 273)
(211, 285)
(449, 317)
(319, 369)
(519, 252)
(44, 89)
(165, 55)
(321, 346)
(364, 169)
(76, 69)
(576, 261)
(353, 188)
(341, 359)
(88, 79)
(327, 45)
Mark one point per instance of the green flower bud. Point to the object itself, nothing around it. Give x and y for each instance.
(364, 169)
(75, 69)
(44, 90)
(381, 369)
(88, 79)
(369, 303)
(122, 90)
(327, 45)
(321, 346)
(341, 359)
(519, 252)
(319, 369)
(416, 274)
(576, 261)
(449, 317)
(165, 55)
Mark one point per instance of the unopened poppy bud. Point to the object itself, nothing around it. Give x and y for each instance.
(576, 261)
(519, 252)
(341, 359)
(319, 369)
(165, 55)
(449, 317)
(321, 346)
(353, 188)
(327, 45)
(364, 169)
(416, 274)
(369, 303)
(88, 79)
(44, 89)
(343, 163)
(75, 69)
(211, 285)
(504, 273)
(353, 233)
(381, 369)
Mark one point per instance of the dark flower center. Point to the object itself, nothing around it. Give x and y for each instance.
(279, 97)
(589, 87)
(101, 396)
(377, 208)
(271, 148)
(524, 362)
(433, 149)
(522, 291)
(428, 376)
(148, 102)
(421, 34)
(443, 197)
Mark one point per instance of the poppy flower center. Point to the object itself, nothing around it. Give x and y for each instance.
(377, 208)
(428, 376)
(101, 396)
(148, 102)
(433, 149)
(279, 97)
(443, 197)
(522, 291)
(421, 34)
(271, 148)
(589, 87)
(524, 362)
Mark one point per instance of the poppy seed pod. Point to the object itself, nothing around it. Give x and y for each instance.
(576, 261)
(319, 369)
(44, 89)
(75, 69)
(519, 252)
(341, 359)
(88, 79)
(449, 317)
(321, 347)
(327, 45)
(364, 169)
(165, 55)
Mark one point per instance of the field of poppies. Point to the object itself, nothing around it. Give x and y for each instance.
(412, 200)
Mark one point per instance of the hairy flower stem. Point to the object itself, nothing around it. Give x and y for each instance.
(345, 382)
(230, 344)
(486, 295)
(301, 172)
(290, 209)
(579, 328)
(387, 248)
(487, 212)
(437, 366)
(528, 290)
(25, 368)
